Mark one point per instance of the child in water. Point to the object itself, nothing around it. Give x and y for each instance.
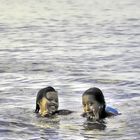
(93, 101)
(94, 105)
(47, 103)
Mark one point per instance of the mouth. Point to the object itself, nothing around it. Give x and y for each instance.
(52, 109)
(92, 115)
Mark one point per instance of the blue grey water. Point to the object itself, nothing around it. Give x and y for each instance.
(71, 45)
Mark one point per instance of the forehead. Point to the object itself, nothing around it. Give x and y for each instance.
(52, 95)
(88, 98)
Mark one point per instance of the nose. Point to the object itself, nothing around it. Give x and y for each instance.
(53, 103)
(87, 108)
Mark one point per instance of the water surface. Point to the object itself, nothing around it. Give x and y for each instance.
(71, 45)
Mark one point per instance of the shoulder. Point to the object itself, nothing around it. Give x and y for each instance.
(111, 111)
(63, 112)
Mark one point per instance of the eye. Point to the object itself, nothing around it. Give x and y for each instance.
(100, 107)
(84, 104)
(56, 100)
(50, 99)
(90, 104)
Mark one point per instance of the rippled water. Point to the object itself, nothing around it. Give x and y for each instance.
(71, 45)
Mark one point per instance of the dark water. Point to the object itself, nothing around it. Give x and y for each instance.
(71, 45)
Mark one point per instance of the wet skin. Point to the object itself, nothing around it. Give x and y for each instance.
(91, 107)
(47, 101)
(94, 104)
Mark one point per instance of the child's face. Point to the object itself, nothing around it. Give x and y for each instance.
(52, 102)
(91, 106)
(49, 104)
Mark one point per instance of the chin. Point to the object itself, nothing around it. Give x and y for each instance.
(92, 115)
(52, 111)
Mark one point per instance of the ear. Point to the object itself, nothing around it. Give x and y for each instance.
(101, 107)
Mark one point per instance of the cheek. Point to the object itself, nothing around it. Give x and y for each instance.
(98, 109)
(92, 107)
(47, 106)
(52, 106)
(84, 108)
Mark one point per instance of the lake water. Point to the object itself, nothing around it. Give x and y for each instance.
(71, 45)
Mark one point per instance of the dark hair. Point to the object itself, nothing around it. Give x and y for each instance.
(97, 93)
(42, 93)
(99, 97)
(49, 89)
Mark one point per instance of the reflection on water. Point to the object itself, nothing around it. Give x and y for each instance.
(70, 45)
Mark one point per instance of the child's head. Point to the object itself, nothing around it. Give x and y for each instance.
(93, 103)
(47, 100)
(52, 101)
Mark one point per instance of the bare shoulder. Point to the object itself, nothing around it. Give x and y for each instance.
(63, 112)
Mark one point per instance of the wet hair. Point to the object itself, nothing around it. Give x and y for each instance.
(42, 93)
(96, 94)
